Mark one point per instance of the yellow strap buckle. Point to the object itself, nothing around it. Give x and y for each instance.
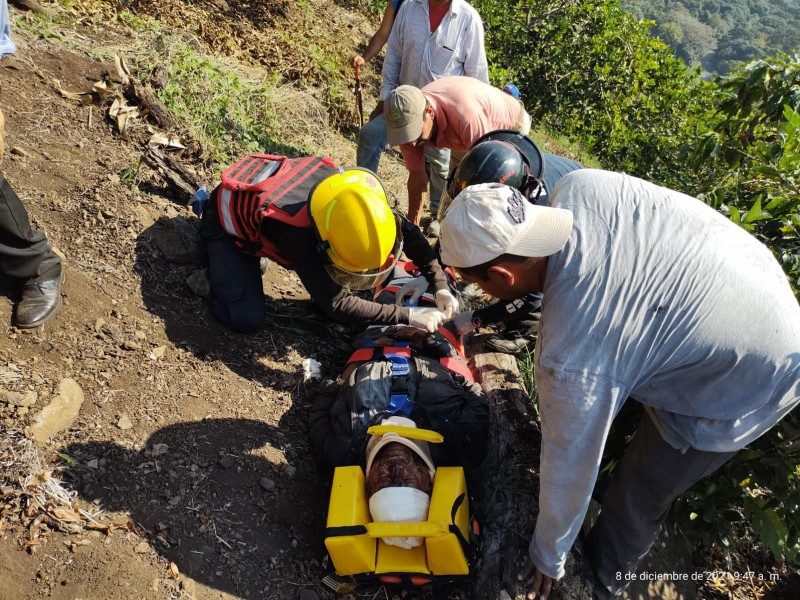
(411, 433)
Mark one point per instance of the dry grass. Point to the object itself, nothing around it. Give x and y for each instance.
(33, 492)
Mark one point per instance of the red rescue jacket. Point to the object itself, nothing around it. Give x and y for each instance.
(263, 186)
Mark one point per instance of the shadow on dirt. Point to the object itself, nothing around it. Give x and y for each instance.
(11, 290)
(169, 259)
(231, 502)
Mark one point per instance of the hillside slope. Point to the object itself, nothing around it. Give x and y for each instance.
(188, 463)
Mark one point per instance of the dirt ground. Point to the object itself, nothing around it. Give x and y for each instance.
(195, 434)
(192, 439)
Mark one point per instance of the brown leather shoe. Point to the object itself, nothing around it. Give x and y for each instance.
(40, 302)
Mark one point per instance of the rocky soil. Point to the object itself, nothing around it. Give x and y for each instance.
(146, 451)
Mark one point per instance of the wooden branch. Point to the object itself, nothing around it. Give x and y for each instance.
(145, 98)
(181, 180)
(510, 505)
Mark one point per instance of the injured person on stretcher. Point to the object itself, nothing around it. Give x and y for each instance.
(408, 429)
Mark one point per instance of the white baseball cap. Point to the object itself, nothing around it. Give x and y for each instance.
(491, 219)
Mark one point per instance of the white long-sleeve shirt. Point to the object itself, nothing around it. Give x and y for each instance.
(415, 56)
(658, 297)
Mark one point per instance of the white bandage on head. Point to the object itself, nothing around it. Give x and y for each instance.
(400, 505)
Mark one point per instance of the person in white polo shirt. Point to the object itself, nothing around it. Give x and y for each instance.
(429, 39)
(639, 284)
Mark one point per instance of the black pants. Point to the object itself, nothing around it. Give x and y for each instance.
(648, 479)
(24, 252)
(237, 293)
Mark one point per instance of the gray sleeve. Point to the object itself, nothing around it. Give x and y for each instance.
(576, 412)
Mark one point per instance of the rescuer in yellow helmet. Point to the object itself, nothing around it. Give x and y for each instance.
(359, 233)
(332, 226)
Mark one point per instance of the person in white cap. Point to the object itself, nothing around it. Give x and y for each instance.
(399, 480)
(639, 284)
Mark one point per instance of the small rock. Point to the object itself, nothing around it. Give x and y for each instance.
(124, 422)
(142, 548)
(140, 335)
(226, 462)
(305, 594)
(199, 283)
(143, 216)
(20, 399)
(112, 331)
(60, 413)
(157, 353)
(129, 345)
(289, 470)
(504, 595)
(93, 464)
(18, 151)
(267, 484)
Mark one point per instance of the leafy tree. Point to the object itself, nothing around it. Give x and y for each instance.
(696, 40)
(590, 71)
(593, 72)
(744, 29)
(748, 163)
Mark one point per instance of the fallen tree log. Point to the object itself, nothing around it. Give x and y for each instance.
(510, 504)
(144, 97)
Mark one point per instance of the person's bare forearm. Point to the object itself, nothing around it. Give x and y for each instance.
(377, 41)
(417, 191)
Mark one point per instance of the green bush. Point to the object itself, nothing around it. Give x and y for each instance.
(748, 163)
(590, 71)
(230, 113)
(748, 166)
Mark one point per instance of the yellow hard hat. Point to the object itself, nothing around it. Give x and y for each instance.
(357, 228)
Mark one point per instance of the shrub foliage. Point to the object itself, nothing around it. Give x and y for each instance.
(590, 71)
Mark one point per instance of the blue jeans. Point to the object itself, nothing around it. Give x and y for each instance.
(372, 139)
(6, 45)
